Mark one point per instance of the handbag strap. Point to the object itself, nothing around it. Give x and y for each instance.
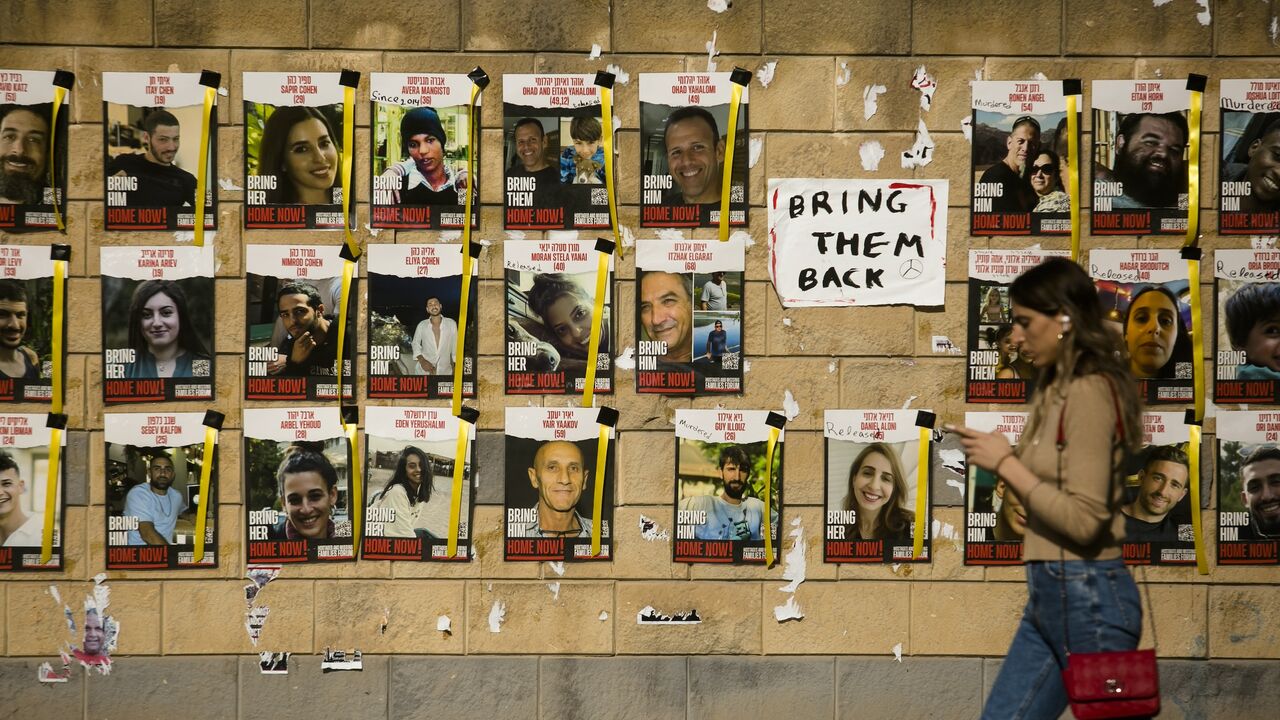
(1061, 444)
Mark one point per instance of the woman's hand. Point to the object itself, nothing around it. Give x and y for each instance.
(986, 450)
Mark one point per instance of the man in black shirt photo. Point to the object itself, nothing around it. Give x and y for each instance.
(311, 347)
(160, 182)
(1022, 144)
(1162, 484)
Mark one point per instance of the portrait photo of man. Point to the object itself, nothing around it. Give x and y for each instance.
(1149, 160)
(559, 474)
(17, 527)
(1162, 484)
(732, 513)
(1021, 146)
(434, 342)
(309, 348)
(160, 182)
(1260, 493)
(24, 154)
(156, 504)
(695, 157)
(17, 359)
(666, 313)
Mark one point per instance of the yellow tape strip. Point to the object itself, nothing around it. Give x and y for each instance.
(348, 141)
(460, 456)
(50, 495)
(606, 125)
(460, 353)
(597, 497)
(1193, 172)
(348, 270)
(597, 323)
(1073, 162)
(766, 522)
(357, 488)
(202, 503)
(59, 94)
(59, 313)
(1197, 337)
(730, 140)
(922, 493)
(1193, 459)
(202, 179)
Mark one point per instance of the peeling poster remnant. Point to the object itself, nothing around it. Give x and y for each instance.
(649, 616)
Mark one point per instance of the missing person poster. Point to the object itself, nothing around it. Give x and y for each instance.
(1247, 341)
(1248, 487)
(154, 461)
(294, 297)
(1146, 300)
(1157, 499)
(684, 130)
(415, 294)
(157, 323)
(873, 472)
(722, 482)
(1021, 164)
(24, 472)
(26, 324)
(998, 371)
(1140, 141)
(297, 497)
(995, 520)
(554, 153)
(550, 290)
(152, 151)
(689, 316)
(1249, 193)
(552, 482)
(421, 143)
(293, 151)
(409, 487)
(32, 178)
(857, 242)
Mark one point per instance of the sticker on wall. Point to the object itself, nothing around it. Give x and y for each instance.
(26, 324)
(1021, 164)
(1249, 193)
(550, 290)
(724, 486)
(689, 316)
(1140, 142)
(421, 143)
(157, 323)
(559, 486)
(1157, 502)
(995, 521)
(554, 153)
(297, 497)
(293, 150)
(27, 507)
(414, 302)
(412, 455)
(998, 371)
(33, 177)
(153, 491)
(684, 128)
(152, 150)
(294, 295)
(1248, 487)
(872, 469)
(1145, 297)
(1247, 288)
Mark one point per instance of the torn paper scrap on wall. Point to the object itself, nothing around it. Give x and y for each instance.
(897, 652)
(924, 82)
(595, 52)
(620, 76)
(793, 563)
(921, 153)
(718, 6)
(444, 625)
(869, 104)
(790, 610)
(764, 73)
(649, 530)
(497, 615)
(966, 127)
(627, 360)
(46, 674)
(273, 663)
(753, 151)
(650, 616)
(844, 76)
(790, 407)
(712, 52)
(341, 660)
(556, 566)
(871, 153)
(555, 590)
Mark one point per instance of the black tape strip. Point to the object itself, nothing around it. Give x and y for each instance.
(607, 416)
(350, 414)
(605, 79)
(469, 414)
(479, 77)
(775, 420)
(740, 76)
(209, 78)
(605, 246)
(346, 254)
(349, 78)
(1190, 418)
(1191, 253)
(59, 252)
(1072, 86)
(213, 419)
(1197, 83)
(56, 420)
(925, 419)
(64, 79)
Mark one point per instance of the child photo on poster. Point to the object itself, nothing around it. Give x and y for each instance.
(689, 316)
(1140, 145)
(153, 471)
(873, 477)
(554, 153)
(1157, 499)
(1249, 193)
(995, 521)
(550, 289)
(1021, 164)
(1248, 487)
(552, 480)
(415, 294)
(293, 151)
(294, 297)
(297, 486)
(157, 323)
(421, 143)
(684, 127)
(26, 324)
(32, 180)
(722, 481)
(1247, 341)
(152, 151)
(409, 485)
(998, 370)
(24, 472)
(1146, 299)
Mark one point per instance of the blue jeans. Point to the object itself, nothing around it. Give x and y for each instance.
(1103, 613)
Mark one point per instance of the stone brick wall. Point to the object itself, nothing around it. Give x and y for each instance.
(1220, 634)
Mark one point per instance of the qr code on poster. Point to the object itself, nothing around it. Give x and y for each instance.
(200, 368)
(729, 361)
(599, 196)
(1182, 371)
(1186, 533)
